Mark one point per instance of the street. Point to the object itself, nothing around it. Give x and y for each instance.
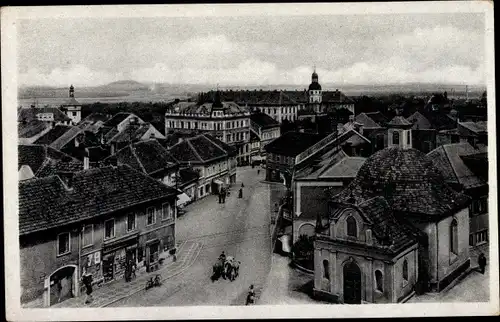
(240, 227)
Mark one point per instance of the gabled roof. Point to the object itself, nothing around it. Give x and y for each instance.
(448, 159)
(117, 119)
(187, 176)
(45, 161)
(30, 113)
(131, 133)
(292, 143)
(476, 127)
(399, 121)
(378, 117)
(263, 120)
(206, 108)
(348, 167)
(198, 149)
(278, 98)
(31, 128)
(368, 122)
(335, 97)
(66, 137)
(145, 156)
(46, 203)
(71, 102)
(419, 122)
(53, 134)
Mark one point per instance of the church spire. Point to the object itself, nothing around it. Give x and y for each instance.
(71, 91)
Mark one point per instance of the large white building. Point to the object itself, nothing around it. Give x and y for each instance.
(226, 121)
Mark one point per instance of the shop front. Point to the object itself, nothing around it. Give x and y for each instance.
(116, 255)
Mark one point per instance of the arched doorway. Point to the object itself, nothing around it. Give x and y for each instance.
(352, 283)
(62, 284)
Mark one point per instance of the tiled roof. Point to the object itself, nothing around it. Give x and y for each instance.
(419, 122)
(409, 182)
(229, 149)
(31, 128)
(206, 108)
(348, 167)
(399, 121)
(145, 156)
(66, 137)
(335, 97)
(198, 149)
(71, 102)
(187, 176)
(117, 119)
(390, 234)
(46, 203)
(378, 117)
(263, 120)
(292, 143)
(277, 98)
(367, 121)
(45, 161)
(131, 133)
(30, 114)
(447, 158)
(315, 168)
(96, 117)
(476, 127)
(440, 121)
(52, 135)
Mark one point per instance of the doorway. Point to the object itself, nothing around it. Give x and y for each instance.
(61, 284)
(352, 283)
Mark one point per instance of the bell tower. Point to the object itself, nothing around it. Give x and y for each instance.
(315, 93)
(71, 91)
(399, 133)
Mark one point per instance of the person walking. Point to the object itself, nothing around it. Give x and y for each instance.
(250, 296)
(240, 193)
(87, 281)
(481, 260)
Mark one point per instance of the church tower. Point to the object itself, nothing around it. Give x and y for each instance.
(399, 133)
(72, 108)
(315, 94)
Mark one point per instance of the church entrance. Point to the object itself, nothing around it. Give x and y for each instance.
(352, 284)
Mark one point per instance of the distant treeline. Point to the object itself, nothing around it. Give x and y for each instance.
(149, 112)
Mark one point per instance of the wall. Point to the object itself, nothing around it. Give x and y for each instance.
(447, 262)
(401, 287)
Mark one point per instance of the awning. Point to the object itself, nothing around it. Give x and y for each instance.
(182, 199)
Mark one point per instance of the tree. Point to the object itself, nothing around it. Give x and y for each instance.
(303, 248)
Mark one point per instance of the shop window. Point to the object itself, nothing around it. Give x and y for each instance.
(150, 216)
(167, 211)
(454, 237)
(379, 280)
(63, 244)
(130, 221)
(140, 254)
(481, 237)
(352, 230)
(405, 270)
(88, 235)
(153, 253)
(109, 229)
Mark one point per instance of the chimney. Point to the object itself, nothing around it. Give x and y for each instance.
(86, 160)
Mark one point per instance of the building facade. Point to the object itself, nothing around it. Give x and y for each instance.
(117, 216)
(226, 121)
(72, 108)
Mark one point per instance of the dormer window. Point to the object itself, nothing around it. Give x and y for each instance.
(352, 229)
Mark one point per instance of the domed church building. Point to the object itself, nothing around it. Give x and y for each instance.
(395, 230)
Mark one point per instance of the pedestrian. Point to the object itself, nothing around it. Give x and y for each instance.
(481, 260)
(240, 194)
(258, 171)
(59, 290)
(220, 196)
(242, 185)
(250, 296)
(223, 195)
(87, 281)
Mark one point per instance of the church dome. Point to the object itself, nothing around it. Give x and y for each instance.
(407, 179)
(315, 86)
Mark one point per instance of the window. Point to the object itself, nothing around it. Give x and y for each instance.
(74, 113)
(352, 230)
(130, 221)
(153, 253)
(151, 218)
(63, 245)
(201, 191)
(167, 211)
(379, 280)
(408, 137)
(471, 240)
(109, 229)
(395, 138)
(88, 235)
(454, 237)
(326, 269)
(405, 270)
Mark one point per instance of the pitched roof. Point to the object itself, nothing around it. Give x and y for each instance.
(419, 122)
(263, 120)
(53, 134)
(96, 117)
(448, 159)
(31, 113)
(277, 98)
(378, 117)
(367, 121)
(46, 203)
(131, 133)
(409, 182)
(187, 176)
(66, 137)
(335, 97)
(198, 149)
(117, 119)
(348, 167)
(206, 108)
(399, 121)
(71, 102)
(145, 156)
(292, 143)
(476, 127)
(31, 128)
(45, 161)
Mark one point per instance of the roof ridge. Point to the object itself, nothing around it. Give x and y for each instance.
(448, 159)
(132, 150)
(193, 149)
(217, 145)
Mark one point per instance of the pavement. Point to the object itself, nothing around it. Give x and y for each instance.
(471, 287)
(240, 228)
(119, 289)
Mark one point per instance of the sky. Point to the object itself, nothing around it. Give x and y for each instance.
(447, 48)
